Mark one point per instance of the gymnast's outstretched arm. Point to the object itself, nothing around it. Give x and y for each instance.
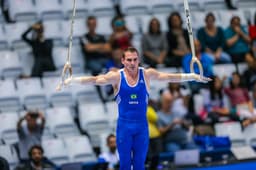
(109, 78)
(174, 77)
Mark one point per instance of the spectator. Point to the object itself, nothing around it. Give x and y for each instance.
(121, 36)
(249, 75)
(181, 98)
(95, 48)
(155, 141)
(239, 98)
(154, 44)
(252, 33)
(112, 155)
(172, 126)
(213, 40)
(214, 105)
(42, 49)
(36, 160)
(237, 41)
(30, 133)
(178, 41)
(207, 64)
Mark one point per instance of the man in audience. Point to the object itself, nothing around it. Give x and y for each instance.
(172, 126)
(30, 129)
(36, 160)
(95, 48)
(112, 155)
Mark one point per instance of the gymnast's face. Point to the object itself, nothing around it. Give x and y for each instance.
(130, 60)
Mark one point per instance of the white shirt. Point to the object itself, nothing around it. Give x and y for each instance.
(111, 158)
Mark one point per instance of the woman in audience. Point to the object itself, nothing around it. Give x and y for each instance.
(237, 41)
(154, 44)
(121, 36)
(213, 40)
(42, 49)
(239, 98)
(214, 105)
(177, 39)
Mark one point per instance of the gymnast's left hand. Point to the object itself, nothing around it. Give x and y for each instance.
(201, 79)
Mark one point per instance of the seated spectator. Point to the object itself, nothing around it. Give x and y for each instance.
(155, 139)
(213, 40)
(214, 106)
(30, 133)
(178, 41)
(172, 126)
(42, 49)
(207, 64)
(249, 75)
(95, 48)
(121, 36)
(237, 41)
(112, 155)
(36, 160)
(154, 44)
(239, 98)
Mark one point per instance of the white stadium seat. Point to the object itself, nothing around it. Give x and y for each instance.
(102, 7)
(104, 25)
(49, 9)
(55, 150)
(3, 38)
(82, 8)
(8, 152)
(53, 30)
(9, 98)
(22, 10)
(161, 6)
(8, 127)
(133, 7)
(32, 93)
(80, 149)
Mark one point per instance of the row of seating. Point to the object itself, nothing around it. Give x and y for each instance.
(10, 34)
(59, 151)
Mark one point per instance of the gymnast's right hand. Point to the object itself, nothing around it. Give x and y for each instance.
(67, 81)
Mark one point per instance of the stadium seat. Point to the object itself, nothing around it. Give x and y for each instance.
(82, 8)
(112, 112)
(53, 30)
(9, 98)
(224, 70)
(104, 25)
(8, 125)
(132, 24)
(80, 149)
(209, 5)
(3, 38)
(250, 134)
(242, 67)
(246, 3)
(161, 6)
(22, 10)
(60, 55)
(61, 122)
(231, 129)
(79, 30)
(226, 16)
(14, 32)
(134, 7)
(49, 9)
(11, 65)
(198, 103)
(194, 5)
(55, 150)
(32, 93)
(92, 119)
(102, 7)
(9, 153)
(57, 98)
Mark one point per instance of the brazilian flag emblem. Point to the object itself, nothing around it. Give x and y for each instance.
(133, 96)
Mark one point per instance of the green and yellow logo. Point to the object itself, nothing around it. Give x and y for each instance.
(133, 96)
